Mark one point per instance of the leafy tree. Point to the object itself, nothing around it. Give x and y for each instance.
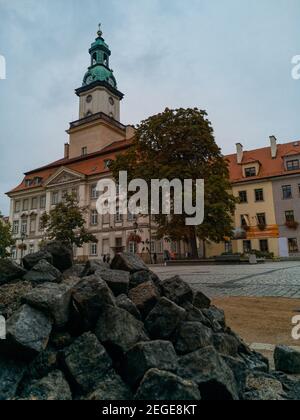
(66, 223)
(180, 144)
(6, 239)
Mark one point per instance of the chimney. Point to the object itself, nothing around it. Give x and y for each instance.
(240, 153)
(273, 141)
(67, 149)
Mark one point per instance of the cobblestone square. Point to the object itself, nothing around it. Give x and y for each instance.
(278, 279)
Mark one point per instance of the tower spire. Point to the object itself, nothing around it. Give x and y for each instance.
(99, 33)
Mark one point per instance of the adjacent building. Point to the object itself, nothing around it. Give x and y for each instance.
(266, 183)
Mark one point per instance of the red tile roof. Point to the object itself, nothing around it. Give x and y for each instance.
(269, 167)
(92, 164)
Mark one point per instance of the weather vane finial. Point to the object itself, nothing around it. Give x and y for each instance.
(99, 30)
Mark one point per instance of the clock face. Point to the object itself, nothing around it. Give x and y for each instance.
(111, 101)
(89, 99)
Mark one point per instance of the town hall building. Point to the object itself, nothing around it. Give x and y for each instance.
(94, 141)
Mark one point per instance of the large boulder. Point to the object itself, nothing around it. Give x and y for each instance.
(27, 333)
(255, 362)
(43, 272)
(164, 319)
(201, 301)
(89, 297)
(118, 331)
(192, 336)
(11, 297)
(112, 388)
(145, 296)
(92, 266)
(87, 363)
(177, 290)
(52, 299)
(226, 344)
(125, 303)
(148, 355)
(128, 262)
(287, 360)
(215, 379)
(10, 271)
(53, 387)
(159, 385)
(117, 280)
(62, 255)
(40, 366)
(76, 271)
(11, 374)
(262, 387)
(144, 276)
(30, 260)
(216, 317)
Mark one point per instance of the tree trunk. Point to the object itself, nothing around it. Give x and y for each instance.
(193, 243)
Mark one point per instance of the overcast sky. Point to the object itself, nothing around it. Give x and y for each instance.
(230, 57)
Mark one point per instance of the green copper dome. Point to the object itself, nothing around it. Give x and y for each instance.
(99, 70)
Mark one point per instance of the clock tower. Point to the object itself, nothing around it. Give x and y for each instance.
(99, 92)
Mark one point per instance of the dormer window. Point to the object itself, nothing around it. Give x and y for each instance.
(28, 182)
(107, 163)
(293, 165)
(250, 172)
(37, 180)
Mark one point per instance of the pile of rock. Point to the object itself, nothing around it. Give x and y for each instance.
(118, 332)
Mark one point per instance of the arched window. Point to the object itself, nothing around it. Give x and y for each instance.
(105, 60)
(94, 59)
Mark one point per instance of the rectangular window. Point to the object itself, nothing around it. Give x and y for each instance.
(289, 216)
(24, 226)
(293, 245)
(119, 243)
(16, 227)
(93, 250)
(94, 192)
(34, 203)
(250, 172)
(33, 225)
(31, 249)
(259, 195)
(264, 245)
(17, 206)
(132, 247)
(43, 202)
(243, 197)
(287, 192)
(261, 219)
(247, 247)
(228, 247)
(118, 216)
(84, 151)
(245, 220)
(25, 205)
(94, 218)
(14, 253)
(293, 165)
(55, 198)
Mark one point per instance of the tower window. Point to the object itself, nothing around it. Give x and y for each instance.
(94, 59)
(89, 99)
(111, 101)
(105, 60)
